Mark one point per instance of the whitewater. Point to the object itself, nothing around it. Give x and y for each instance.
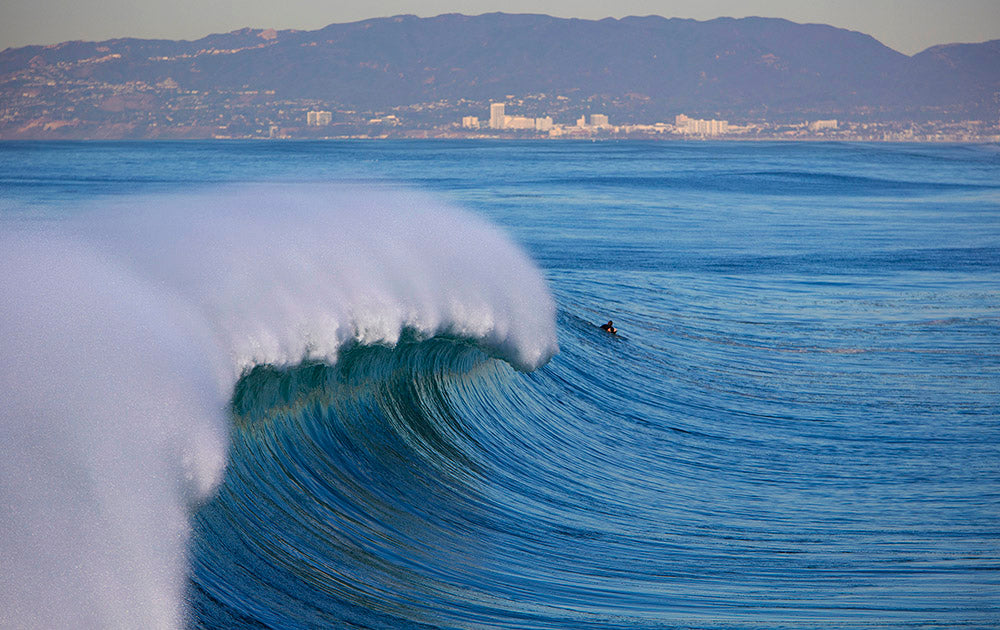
(362, 385)
(124, 335)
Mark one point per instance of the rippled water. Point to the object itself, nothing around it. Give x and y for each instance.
(798, 424)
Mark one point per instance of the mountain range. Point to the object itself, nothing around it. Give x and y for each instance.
(631, 67)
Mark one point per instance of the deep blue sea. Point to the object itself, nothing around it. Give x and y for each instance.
(362, 385)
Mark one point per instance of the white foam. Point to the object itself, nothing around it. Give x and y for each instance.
(284, 272)
(123, 333)
(112, 423)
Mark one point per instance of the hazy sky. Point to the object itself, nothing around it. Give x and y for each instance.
(909, 26)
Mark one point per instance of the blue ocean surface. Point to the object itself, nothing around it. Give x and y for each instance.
(796, 426)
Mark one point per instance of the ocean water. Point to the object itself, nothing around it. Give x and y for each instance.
(362, 385)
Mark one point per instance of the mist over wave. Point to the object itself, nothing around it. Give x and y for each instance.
(289, 272)
(125, 330)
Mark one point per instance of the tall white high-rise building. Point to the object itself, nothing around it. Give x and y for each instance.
(498, 120)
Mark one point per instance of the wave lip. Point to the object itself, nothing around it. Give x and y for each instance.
(125, 331)
(285, 273)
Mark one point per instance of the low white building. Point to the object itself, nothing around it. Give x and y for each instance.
(518, 122)
(319, 118)
(699, 127)
(818, 125)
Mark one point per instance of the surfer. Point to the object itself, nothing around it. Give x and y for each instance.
(609, 327)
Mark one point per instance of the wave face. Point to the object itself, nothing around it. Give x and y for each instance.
(126, 330)
(359, 493)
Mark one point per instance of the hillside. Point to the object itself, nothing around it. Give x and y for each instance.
(633, 68)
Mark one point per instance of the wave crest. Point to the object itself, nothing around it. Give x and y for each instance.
(131, 325)
(285, 273)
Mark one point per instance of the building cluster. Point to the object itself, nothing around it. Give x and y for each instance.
(501, 120)
(683, 126)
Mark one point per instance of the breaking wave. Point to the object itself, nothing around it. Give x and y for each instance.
(133, 334)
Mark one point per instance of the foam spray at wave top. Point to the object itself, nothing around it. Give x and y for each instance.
(125, 329)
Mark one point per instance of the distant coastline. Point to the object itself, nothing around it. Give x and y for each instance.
(409, 77)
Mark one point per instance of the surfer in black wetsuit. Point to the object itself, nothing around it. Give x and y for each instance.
(609, 327)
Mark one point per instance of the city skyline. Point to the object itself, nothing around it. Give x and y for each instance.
(45, 22)
(502, 123)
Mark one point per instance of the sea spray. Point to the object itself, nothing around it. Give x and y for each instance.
(124, 331)
(284, 273)
(113, 425)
